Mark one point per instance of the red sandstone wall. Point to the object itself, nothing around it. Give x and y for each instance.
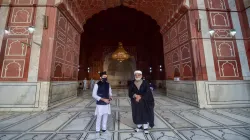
(66, 51)
(15, 56)
(191, 65)
(177, 50)
(225, 52)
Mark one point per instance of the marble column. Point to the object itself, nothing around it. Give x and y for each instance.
(245, 20)
(223, 88)
(28, 71)
(239, 40)
(17, 92)
(4, 11)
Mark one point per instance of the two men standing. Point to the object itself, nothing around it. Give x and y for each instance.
(85, 83)
(142, 102)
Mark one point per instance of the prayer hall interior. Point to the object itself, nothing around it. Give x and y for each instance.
(195, 54)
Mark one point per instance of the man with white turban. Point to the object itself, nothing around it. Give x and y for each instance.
(142, 102)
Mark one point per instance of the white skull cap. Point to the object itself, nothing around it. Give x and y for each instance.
(137, 72)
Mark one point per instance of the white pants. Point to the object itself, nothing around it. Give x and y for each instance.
(104, 119)
(85, 87)
(145, 126)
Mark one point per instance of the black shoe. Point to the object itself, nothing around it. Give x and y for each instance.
(146, 131)
(138, 129)
(103, 131)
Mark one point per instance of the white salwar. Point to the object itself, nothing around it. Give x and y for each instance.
(84, 84)
(92, 83)
(101, 110)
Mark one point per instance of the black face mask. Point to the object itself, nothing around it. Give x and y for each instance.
(104, 79)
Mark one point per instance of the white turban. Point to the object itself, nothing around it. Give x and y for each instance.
(137, 72)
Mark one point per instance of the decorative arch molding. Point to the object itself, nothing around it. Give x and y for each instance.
(165, 12)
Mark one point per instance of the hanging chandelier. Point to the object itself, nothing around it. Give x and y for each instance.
(120, 54)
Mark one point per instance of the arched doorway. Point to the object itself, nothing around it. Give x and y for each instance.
(141, 38)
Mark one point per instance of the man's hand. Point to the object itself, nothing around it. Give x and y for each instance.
(137, 98)
(110, 98)
(105, 100)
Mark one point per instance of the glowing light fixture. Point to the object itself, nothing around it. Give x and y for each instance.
(31, 29)
(211, 32)
(120, 54)
(232, 32)
(7, 30)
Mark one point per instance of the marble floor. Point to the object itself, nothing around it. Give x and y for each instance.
(174, 120)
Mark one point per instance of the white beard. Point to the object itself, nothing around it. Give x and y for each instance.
(137, 79)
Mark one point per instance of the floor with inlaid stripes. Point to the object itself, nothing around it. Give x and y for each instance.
(174, 120)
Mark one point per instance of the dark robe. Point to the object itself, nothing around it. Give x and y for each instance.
(142, 111)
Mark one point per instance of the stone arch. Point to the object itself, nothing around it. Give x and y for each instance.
(220, 20)
(162, 12)
(58, 71)
(177, 72)
(16, 48)
(224, 49)
(25, 14)
(231, 70)
(13, 69)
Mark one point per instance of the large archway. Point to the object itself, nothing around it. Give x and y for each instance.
(140, 35)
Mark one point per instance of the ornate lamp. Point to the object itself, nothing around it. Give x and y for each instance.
(120, 54)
